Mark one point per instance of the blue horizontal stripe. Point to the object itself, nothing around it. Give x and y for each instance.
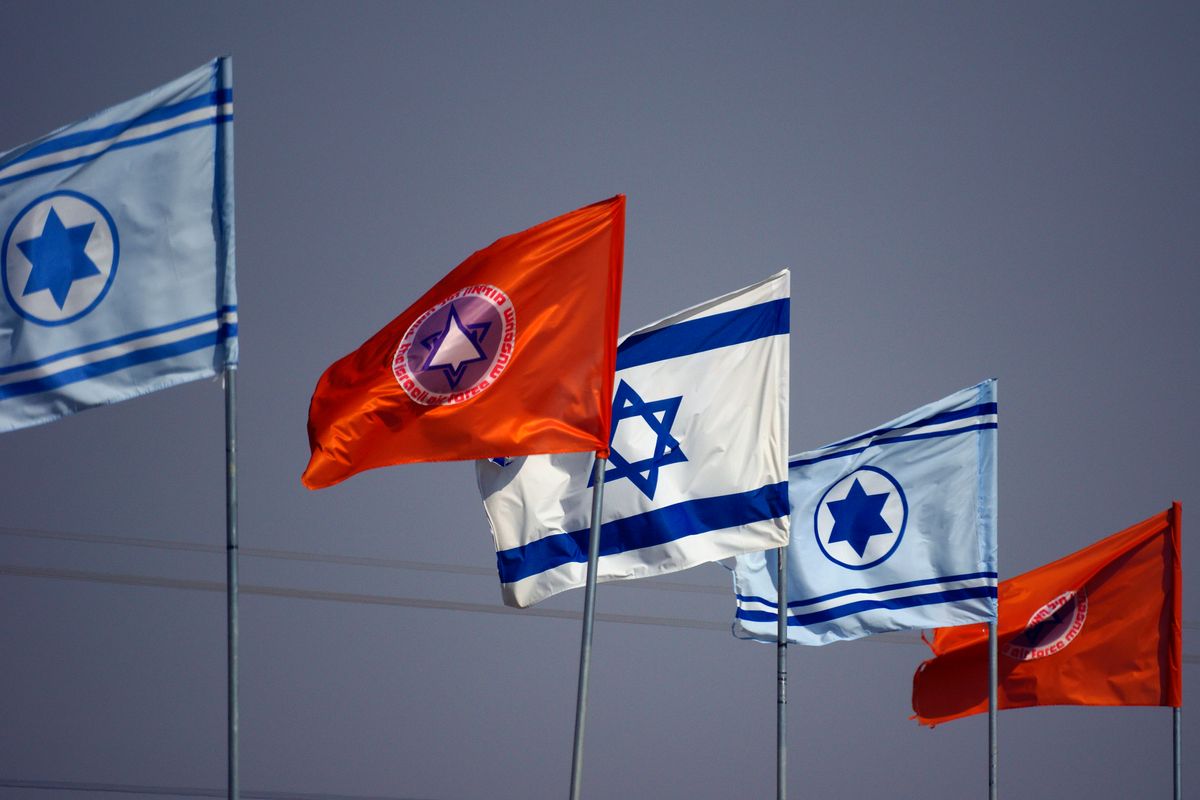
(891, 587)
(648, 529)
(707, 333)
(220, 118)
(897, 440)
(87, 371)
(82, 138)
(894, 604)
(983, 409)
(89, 348)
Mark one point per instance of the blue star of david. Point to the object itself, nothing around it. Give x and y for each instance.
(58, 258)
(857, 518)
(660, 416)
(453, 368)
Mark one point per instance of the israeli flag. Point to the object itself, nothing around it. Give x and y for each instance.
(117, 258)
(697, 468)
(894, 529)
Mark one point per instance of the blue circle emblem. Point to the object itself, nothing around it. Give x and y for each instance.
(861, 518)
(59, 258)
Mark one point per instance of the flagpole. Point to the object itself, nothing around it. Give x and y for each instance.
(589, 614)
(1177, 603)
(781, 643)
(993, 656)
(1176, 716)
(231, 571)
(993, 677)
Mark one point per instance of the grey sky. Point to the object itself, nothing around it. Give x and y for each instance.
(960, 190)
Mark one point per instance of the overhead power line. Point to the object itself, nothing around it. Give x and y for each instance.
(182, 791)
(345, 597)
(387, 600)
(383, 600)
(322, 558)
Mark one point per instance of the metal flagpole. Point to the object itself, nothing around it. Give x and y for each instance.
(1177, 711)
(781, 642)
(1176, 715)
(231, 569)
(993, 677)
(589, 614)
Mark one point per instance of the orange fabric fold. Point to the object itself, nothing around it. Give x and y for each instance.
(512, 353)
(1101, 626)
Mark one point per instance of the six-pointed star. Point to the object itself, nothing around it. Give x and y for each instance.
(58, 258)
(455, 347)
(660, 416)
(857, 518)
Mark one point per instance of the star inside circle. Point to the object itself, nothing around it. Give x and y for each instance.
(59, 258)
(1042, 632)
(455, 347)
(659, 415)
(858, 517)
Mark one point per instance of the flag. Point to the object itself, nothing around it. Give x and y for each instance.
(511, 353)
(697, 465)
(893, 529)
(1100, 627)
(117, 259)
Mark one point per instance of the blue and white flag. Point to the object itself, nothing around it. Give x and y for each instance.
(117, 258)
(697, 467)
(894, 529)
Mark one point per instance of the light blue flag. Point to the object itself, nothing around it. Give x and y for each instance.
(894, 529)
(117, 260)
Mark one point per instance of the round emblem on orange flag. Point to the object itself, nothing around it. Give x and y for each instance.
(1051, 628)
(457, 349)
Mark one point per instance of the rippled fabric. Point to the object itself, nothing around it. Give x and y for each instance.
(117, 256)
(893, 529)
(697, 469)
(1100, 627)
(563, 281)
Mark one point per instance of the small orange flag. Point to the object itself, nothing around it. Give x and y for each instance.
(1101, 627)
(510, 354)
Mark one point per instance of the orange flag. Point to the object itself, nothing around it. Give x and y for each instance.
(1100, 627)
(510, 354)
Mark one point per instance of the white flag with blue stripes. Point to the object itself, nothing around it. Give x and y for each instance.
(697, 468)
(894, 529)
(117, 259)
